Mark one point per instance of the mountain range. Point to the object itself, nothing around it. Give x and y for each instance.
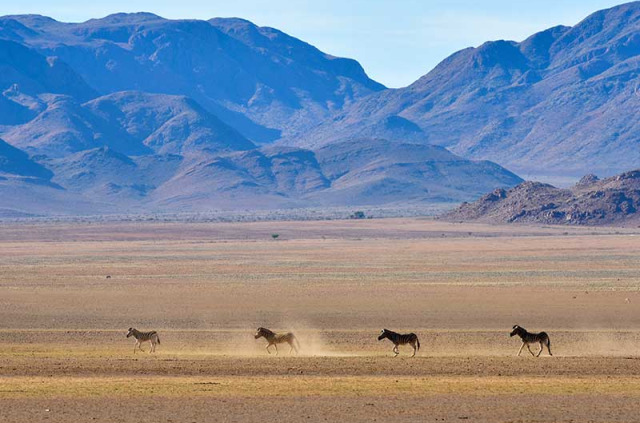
(137, 113)
(563, 102)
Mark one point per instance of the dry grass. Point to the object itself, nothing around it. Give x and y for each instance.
(287, 386)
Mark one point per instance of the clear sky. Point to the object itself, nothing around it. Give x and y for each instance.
(396, 41)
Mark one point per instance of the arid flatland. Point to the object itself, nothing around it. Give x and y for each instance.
(206, 287)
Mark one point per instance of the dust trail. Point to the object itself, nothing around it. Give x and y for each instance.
(242, 343)
(312, 343)
(211, 342)
(315, 343)
(610, 344)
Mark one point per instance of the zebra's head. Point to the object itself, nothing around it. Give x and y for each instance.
(130, 332)
(383, 334)
(516, 330)
(259, 333)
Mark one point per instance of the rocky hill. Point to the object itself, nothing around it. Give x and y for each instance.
(614, 200)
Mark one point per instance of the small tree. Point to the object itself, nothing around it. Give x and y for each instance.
(275, 236)
(358, 215)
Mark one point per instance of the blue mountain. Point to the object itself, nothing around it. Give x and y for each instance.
(562, 103)
(136, 113)
(260, 80)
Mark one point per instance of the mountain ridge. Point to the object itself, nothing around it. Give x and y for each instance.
(277, 87)
(562, 102)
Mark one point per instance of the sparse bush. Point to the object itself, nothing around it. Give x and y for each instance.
(275, 236)
(358, 215)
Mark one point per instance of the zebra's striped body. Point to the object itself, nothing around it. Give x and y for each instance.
(278, 338)
(140, 337)
(532, 338)
(400, 339)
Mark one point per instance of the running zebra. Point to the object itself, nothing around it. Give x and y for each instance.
(532, 338)
(400, 339)
(278, 338)
(151, 337)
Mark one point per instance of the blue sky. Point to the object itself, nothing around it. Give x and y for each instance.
(396, 41)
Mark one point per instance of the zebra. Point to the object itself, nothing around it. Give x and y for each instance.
(278, 338)
(151, 337)
(400, 339)
(531, 338)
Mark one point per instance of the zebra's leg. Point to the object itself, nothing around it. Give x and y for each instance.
(541, 348)
(268, 348)
(396, 350)
(521, 347)
(135, 346)
(276, 347)
(549, 346)
(529, 348)
(413, 344)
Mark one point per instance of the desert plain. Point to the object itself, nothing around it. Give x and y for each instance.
(70, 291)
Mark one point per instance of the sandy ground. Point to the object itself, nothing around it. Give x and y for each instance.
(206, 287)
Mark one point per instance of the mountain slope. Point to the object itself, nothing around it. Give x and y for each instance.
(167, 124)
(376, 171)
(367, 172)
(26, 188)
(35, 74)
(16, 162)
(259, 80)
(264, 178)
(132, 123)
(562, 102)
(24, 74)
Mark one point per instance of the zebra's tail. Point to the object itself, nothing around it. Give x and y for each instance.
(549, 345)
(418, 342)
(158, 338)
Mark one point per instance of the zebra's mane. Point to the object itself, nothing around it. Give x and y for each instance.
(266, 331)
